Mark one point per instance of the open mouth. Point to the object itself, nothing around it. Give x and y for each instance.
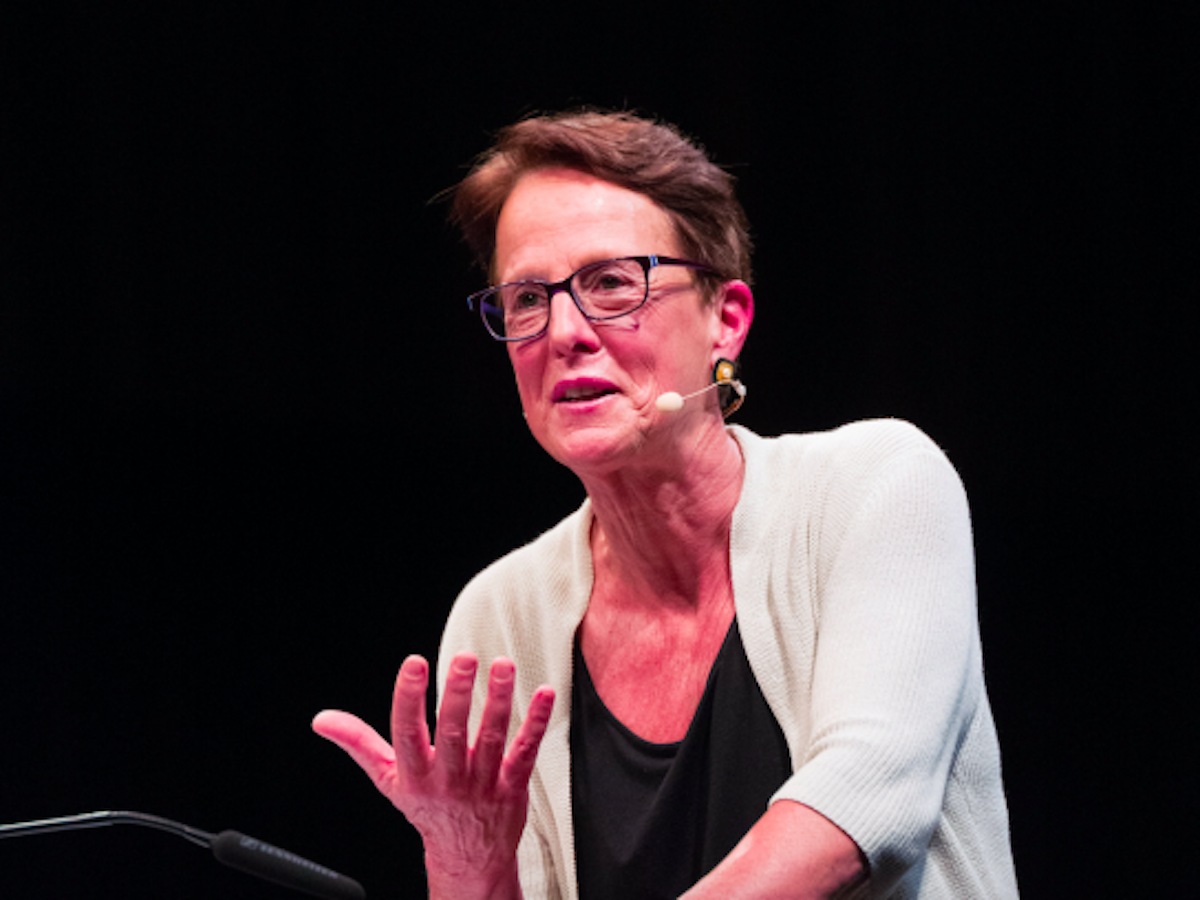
(584, 394)
(584, 391)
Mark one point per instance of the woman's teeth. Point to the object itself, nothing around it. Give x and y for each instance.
(582, 393)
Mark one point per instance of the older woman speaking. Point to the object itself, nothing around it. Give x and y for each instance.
(749, 667)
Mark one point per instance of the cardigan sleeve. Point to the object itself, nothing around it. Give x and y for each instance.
(895, 672)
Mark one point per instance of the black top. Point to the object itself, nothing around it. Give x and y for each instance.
(652, 819)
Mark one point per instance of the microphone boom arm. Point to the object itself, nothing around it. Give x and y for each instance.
(230, 847)
(101, 819)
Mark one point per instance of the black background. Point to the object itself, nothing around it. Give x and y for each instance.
(253, 443)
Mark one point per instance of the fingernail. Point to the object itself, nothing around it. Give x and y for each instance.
(503, 670)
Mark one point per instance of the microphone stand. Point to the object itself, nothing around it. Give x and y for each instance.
(229, 847)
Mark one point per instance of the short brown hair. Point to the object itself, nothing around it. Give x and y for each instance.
(652, 158)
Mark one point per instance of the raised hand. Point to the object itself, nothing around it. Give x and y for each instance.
(469, 802)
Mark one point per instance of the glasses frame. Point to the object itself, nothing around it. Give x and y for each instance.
(568, 285)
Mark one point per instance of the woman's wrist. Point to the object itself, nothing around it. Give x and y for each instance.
(497, 881)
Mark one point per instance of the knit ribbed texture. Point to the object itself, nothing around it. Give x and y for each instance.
(854, 585)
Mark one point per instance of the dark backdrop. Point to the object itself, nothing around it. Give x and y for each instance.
(253, 443)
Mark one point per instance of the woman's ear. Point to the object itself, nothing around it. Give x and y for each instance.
(734, 308)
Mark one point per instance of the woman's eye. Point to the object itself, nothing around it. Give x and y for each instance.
(610, 282)
(610, 278)
(526, 300)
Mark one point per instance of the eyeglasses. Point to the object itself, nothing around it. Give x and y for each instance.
(603, 290)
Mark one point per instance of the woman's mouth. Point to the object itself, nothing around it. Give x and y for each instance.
(580, 394)
(583, 391)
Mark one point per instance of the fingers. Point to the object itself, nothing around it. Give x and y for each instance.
(450, 757)
(493, 726)
(486, 763)
(364, 745)
(518, 762)
(410, 730)
(411, 757)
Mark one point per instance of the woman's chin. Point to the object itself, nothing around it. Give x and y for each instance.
(581, 453)
(591, 448)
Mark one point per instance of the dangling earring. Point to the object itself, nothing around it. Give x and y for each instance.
(731, 391)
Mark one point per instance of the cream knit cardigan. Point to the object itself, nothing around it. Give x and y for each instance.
(854, 584)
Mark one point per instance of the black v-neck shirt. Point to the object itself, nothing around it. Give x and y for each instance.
(652, 819)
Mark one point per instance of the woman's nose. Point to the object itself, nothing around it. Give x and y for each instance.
(569, 329)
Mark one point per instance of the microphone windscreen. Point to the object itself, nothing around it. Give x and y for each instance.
(669, 402)
(259, 858)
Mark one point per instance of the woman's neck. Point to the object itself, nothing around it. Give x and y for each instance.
(662, 531)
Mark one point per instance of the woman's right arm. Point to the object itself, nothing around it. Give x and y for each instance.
(468, 802)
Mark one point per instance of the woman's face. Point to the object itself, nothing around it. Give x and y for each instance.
(588, 388)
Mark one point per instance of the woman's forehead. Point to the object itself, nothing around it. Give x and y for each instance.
(560, 218)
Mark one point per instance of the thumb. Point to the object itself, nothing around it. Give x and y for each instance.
(373, 754)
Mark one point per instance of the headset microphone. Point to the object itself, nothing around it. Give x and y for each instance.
(672, 401)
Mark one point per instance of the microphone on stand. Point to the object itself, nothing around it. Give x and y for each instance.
(230, 847)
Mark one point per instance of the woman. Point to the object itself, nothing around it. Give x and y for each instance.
(749, 667)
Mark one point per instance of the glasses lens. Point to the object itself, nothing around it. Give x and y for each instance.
(516, 310)
(611, 288)
(605, 290)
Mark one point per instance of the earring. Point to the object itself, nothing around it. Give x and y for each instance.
(731, 391)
